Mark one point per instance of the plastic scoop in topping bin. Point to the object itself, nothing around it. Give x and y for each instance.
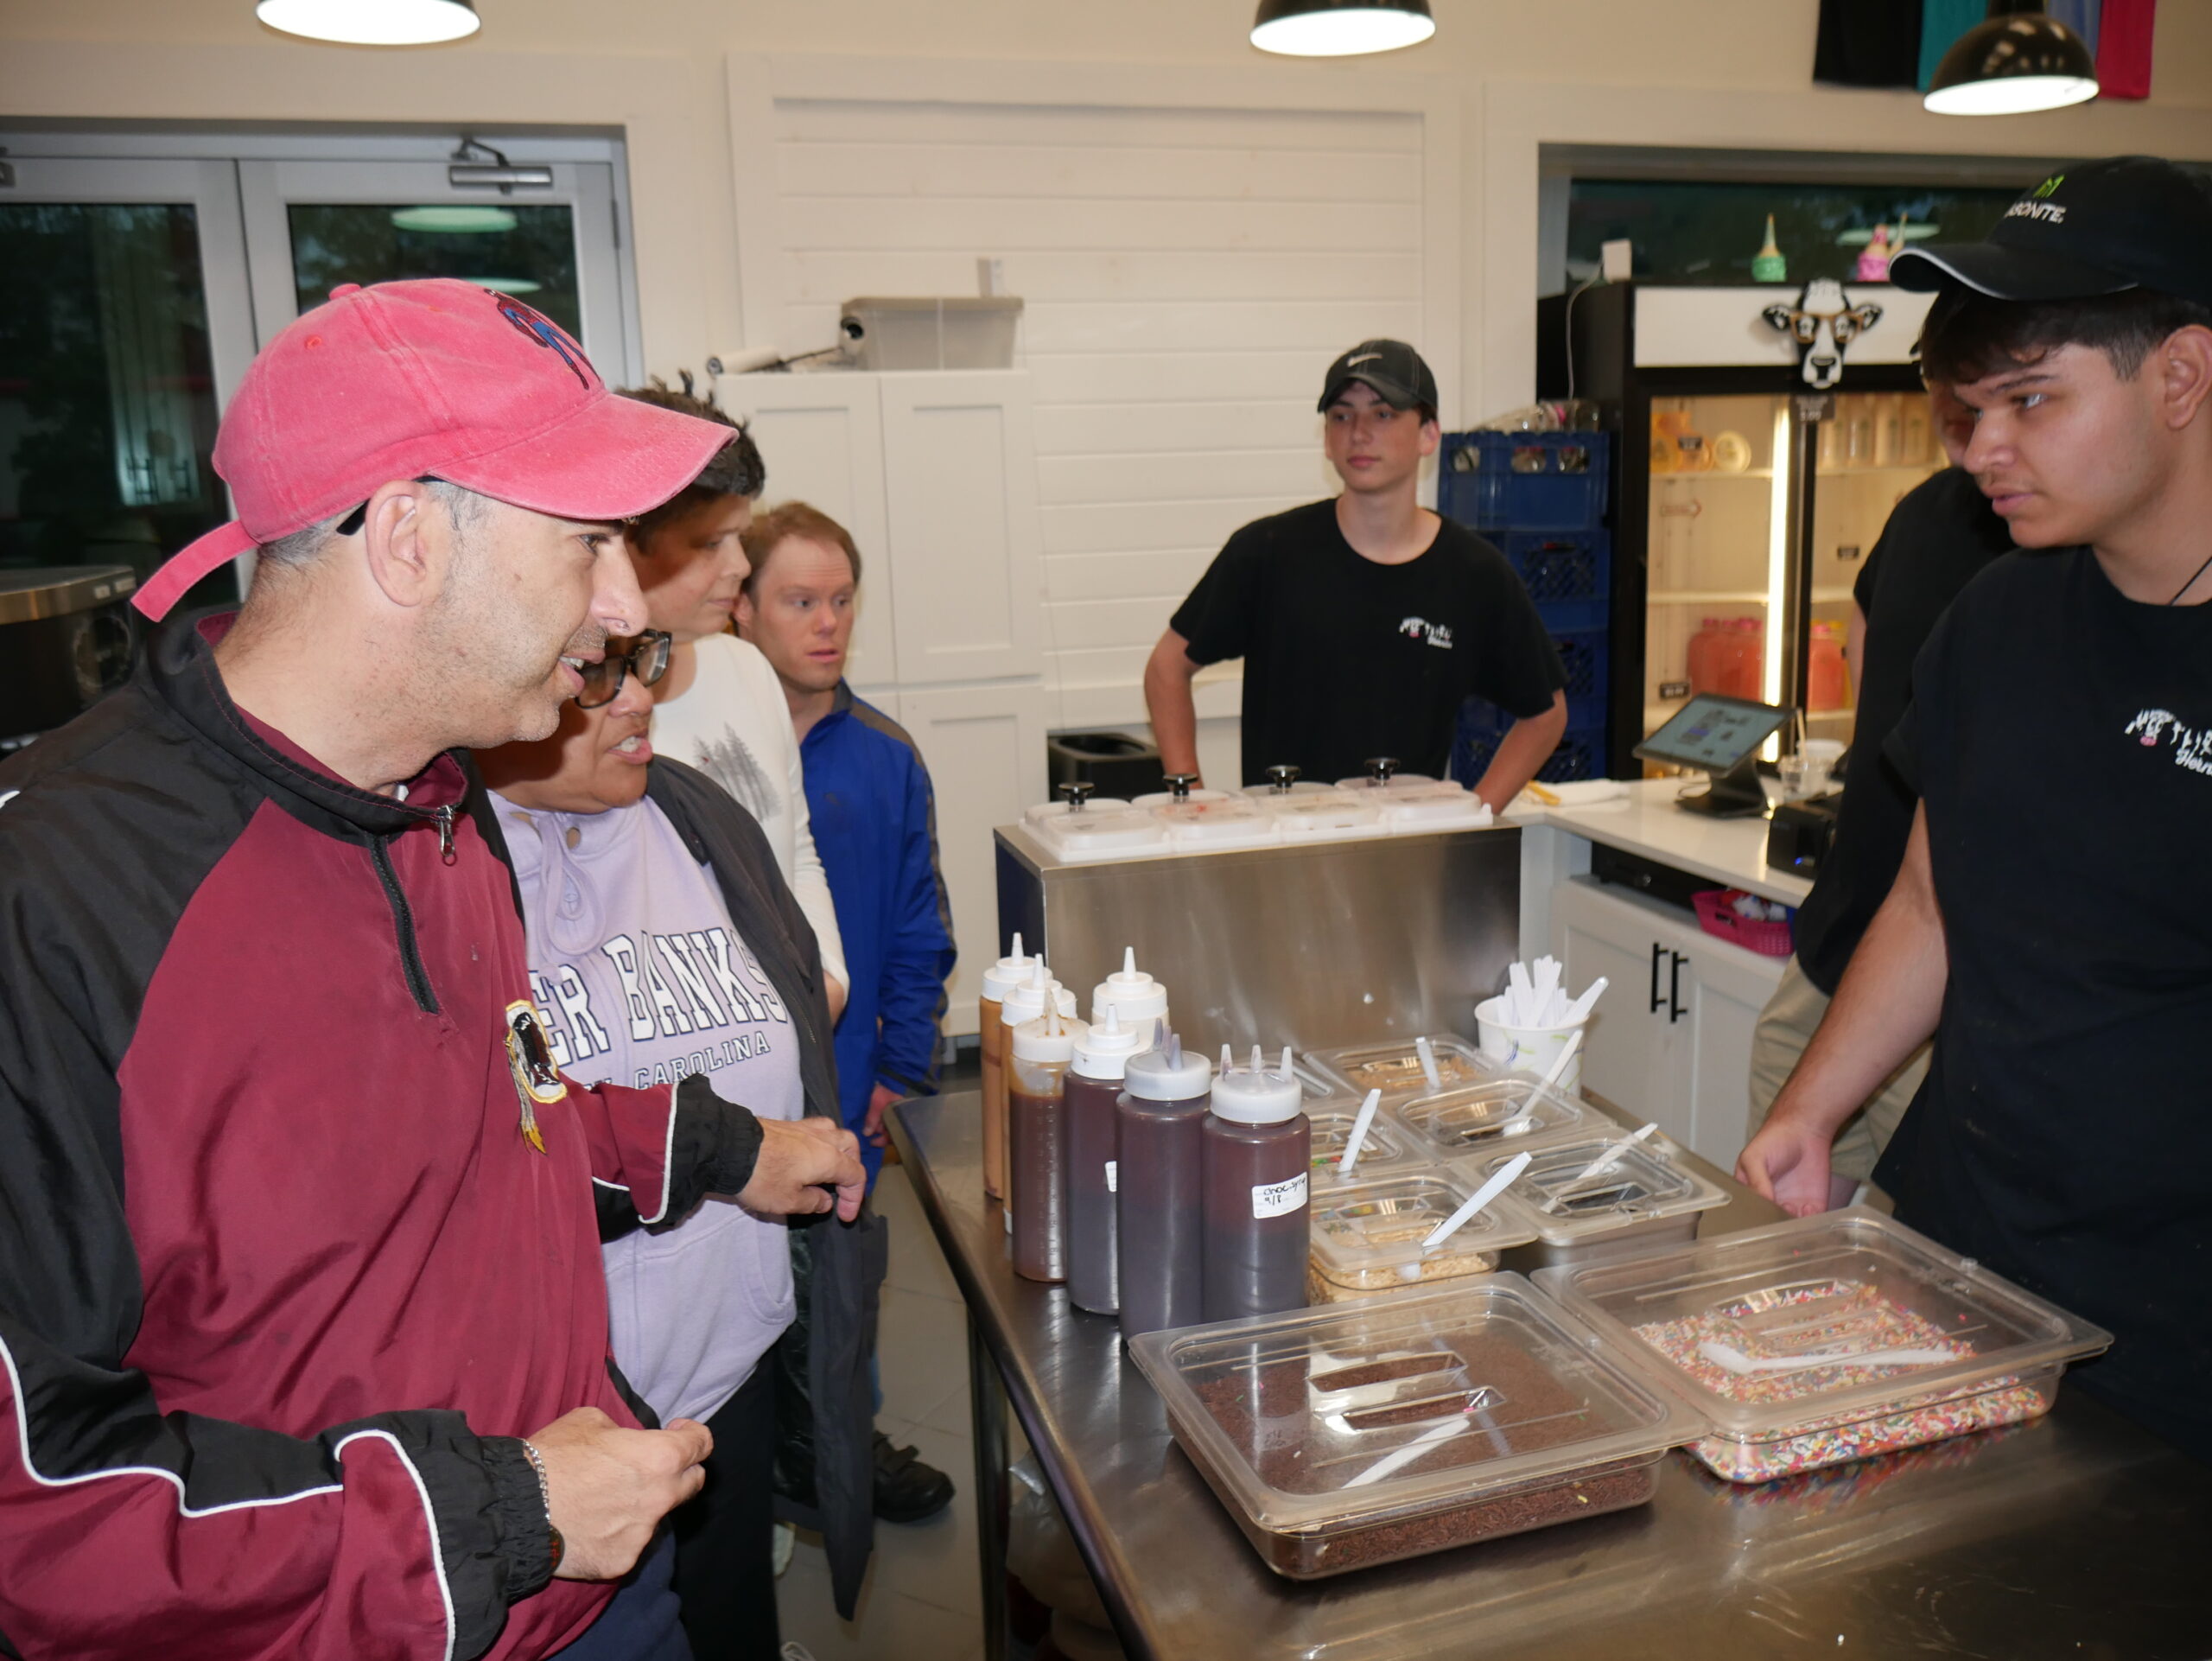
(1728, 1356)
(1426, 1051)
(1558, 1067)
(1598, 1166)
(1508, 1174)
(1360, 1126)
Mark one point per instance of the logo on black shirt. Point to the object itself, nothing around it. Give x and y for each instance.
(1420, 628)
(2192, 747)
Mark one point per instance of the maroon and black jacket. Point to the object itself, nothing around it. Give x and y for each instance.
(281, 1277)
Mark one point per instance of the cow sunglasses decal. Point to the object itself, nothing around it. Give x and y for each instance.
(1822, 322)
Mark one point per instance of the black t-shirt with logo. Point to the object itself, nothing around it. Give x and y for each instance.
(2061, 739)
(1344, 658)
(1936, 540)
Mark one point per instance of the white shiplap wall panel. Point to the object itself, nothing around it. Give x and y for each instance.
(1187, 272)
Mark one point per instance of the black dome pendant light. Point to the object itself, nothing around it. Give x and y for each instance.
(2016, 61)
(1340, 28)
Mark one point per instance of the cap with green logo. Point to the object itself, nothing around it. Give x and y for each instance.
(2093, 228)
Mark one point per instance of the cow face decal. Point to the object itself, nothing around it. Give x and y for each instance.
(1822, 322)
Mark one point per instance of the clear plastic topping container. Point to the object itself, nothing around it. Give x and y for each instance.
(1642, 1198)
(1366, 1237)
(1395, 783)
(1436, 807)
(1828, 1339)
(1089, 835)
(1395, 1067)
(1324, 815)
(1365, 1433)
(1231, 821)
(1046, 812)
(1385, 1148)
(1168, 797)
(1510, 1116)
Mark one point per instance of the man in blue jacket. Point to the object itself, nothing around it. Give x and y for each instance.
(875, 828)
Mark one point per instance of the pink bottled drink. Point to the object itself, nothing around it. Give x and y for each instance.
(1159, 1190)
(1259, 1149)
(1094, 1086)
(1036, 1067)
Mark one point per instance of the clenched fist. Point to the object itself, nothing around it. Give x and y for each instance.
(609, 1487)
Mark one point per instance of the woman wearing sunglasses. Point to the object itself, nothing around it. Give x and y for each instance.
(663, 941)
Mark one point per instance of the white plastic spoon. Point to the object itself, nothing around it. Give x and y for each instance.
(1728, 1356)
(1426, 1051)
(1605, 1161)
(1481, 1197)
(1350, 1157)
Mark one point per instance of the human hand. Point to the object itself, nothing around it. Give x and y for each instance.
(607, 1487)
(1789, 1164)
(872, 1127)
(799, 1162)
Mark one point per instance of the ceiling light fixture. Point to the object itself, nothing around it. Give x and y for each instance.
(2016, 61)
(372, 22)
(1331, 28)
(443, 217)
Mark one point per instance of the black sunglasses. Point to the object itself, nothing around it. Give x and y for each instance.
(646, 658)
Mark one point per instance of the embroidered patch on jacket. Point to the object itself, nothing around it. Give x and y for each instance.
(530, 1059)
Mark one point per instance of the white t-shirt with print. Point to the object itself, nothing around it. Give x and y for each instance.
(732, 722)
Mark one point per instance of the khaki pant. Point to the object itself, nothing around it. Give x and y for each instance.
(1786, 1027)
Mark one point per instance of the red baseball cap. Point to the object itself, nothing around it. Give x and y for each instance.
(435, 378)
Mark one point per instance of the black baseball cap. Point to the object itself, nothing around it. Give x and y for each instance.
(1392, 368)
(2094, 228)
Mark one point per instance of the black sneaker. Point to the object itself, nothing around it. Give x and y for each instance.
(906, 1490)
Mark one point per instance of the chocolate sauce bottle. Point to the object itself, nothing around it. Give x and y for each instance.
(1159, 1188)
(1037, 1141)
(1094, 1086)
(1258, 1152)
(999, 979)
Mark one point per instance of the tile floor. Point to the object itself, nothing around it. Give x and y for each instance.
(922, 1600)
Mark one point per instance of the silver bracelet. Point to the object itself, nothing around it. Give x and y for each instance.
(545, 1495)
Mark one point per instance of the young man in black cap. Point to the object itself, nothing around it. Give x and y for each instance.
(2052, 924)
(1365, 622)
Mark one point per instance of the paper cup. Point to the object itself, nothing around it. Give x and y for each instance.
(1526, 1049)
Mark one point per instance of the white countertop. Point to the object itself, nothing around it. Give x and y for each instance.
(1731, 851)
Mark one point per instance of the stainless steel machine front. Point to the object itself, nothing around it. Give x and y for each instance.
(1331, 943)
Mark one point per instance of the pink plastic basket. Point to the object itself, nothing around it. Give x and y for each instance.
(1715, 918)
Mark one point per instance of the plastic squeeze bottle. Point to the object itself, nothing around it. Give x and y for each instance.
(1159, 1188)
(999, 979)
(1141, 1000)
(1259, 1149)
(1036, 992)
(1094, 1086)
(1036, 1131)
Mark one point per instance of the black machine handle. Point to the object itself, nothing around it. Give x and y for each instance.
(1178, 785)
(1281, 778)
(1380, 767)
(1075, 792)
(1675, 1010)
(1656, 952)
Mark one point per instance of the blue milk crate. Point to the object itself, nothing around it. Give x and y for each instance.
(1580, 755)
(1523, 481)
(1567, 573)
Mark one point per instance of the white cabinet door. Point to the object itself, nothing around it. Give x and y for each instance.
(1626, 1048)
(822, 437)
(1722, 989)
(961, 490)
(985, 750)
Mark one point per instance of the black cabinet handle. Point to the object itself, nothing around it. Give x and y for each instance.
(1675, 1010)
(1657, 949)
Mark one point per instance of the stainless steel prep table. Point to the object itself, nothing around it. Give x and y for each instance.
(2077, 1536)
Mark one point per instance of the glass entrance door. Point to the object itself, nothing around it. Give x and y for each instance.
(123, 326)
(311, 225)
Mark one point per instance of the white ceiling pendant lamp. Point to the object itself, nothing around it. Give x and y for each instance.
(372, 22)
(2017, 60)
(1332, 28)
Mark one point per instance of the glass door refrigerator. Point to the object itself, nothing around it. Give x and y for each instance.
(1746, 498)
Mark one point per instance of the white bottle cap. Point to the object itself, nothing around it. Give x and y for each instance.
(1007, 973)
(1028, 999)
(1252, 1095)
(1128, 989)
(1170, 1073)
(1105, 1051)
(1048, 1038)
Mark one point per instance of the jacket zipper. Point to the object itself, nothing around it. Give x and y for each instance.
(403, 916)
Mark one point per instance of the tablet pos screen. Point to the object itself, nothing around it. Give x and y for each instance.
(1712, 733)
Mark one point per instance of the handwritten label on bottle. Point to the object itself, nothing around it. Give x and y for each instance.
(1277, 1198)
(1112, 1176)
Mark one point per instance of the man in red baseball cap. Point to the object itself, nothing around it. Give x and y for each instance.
(303, 1342)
